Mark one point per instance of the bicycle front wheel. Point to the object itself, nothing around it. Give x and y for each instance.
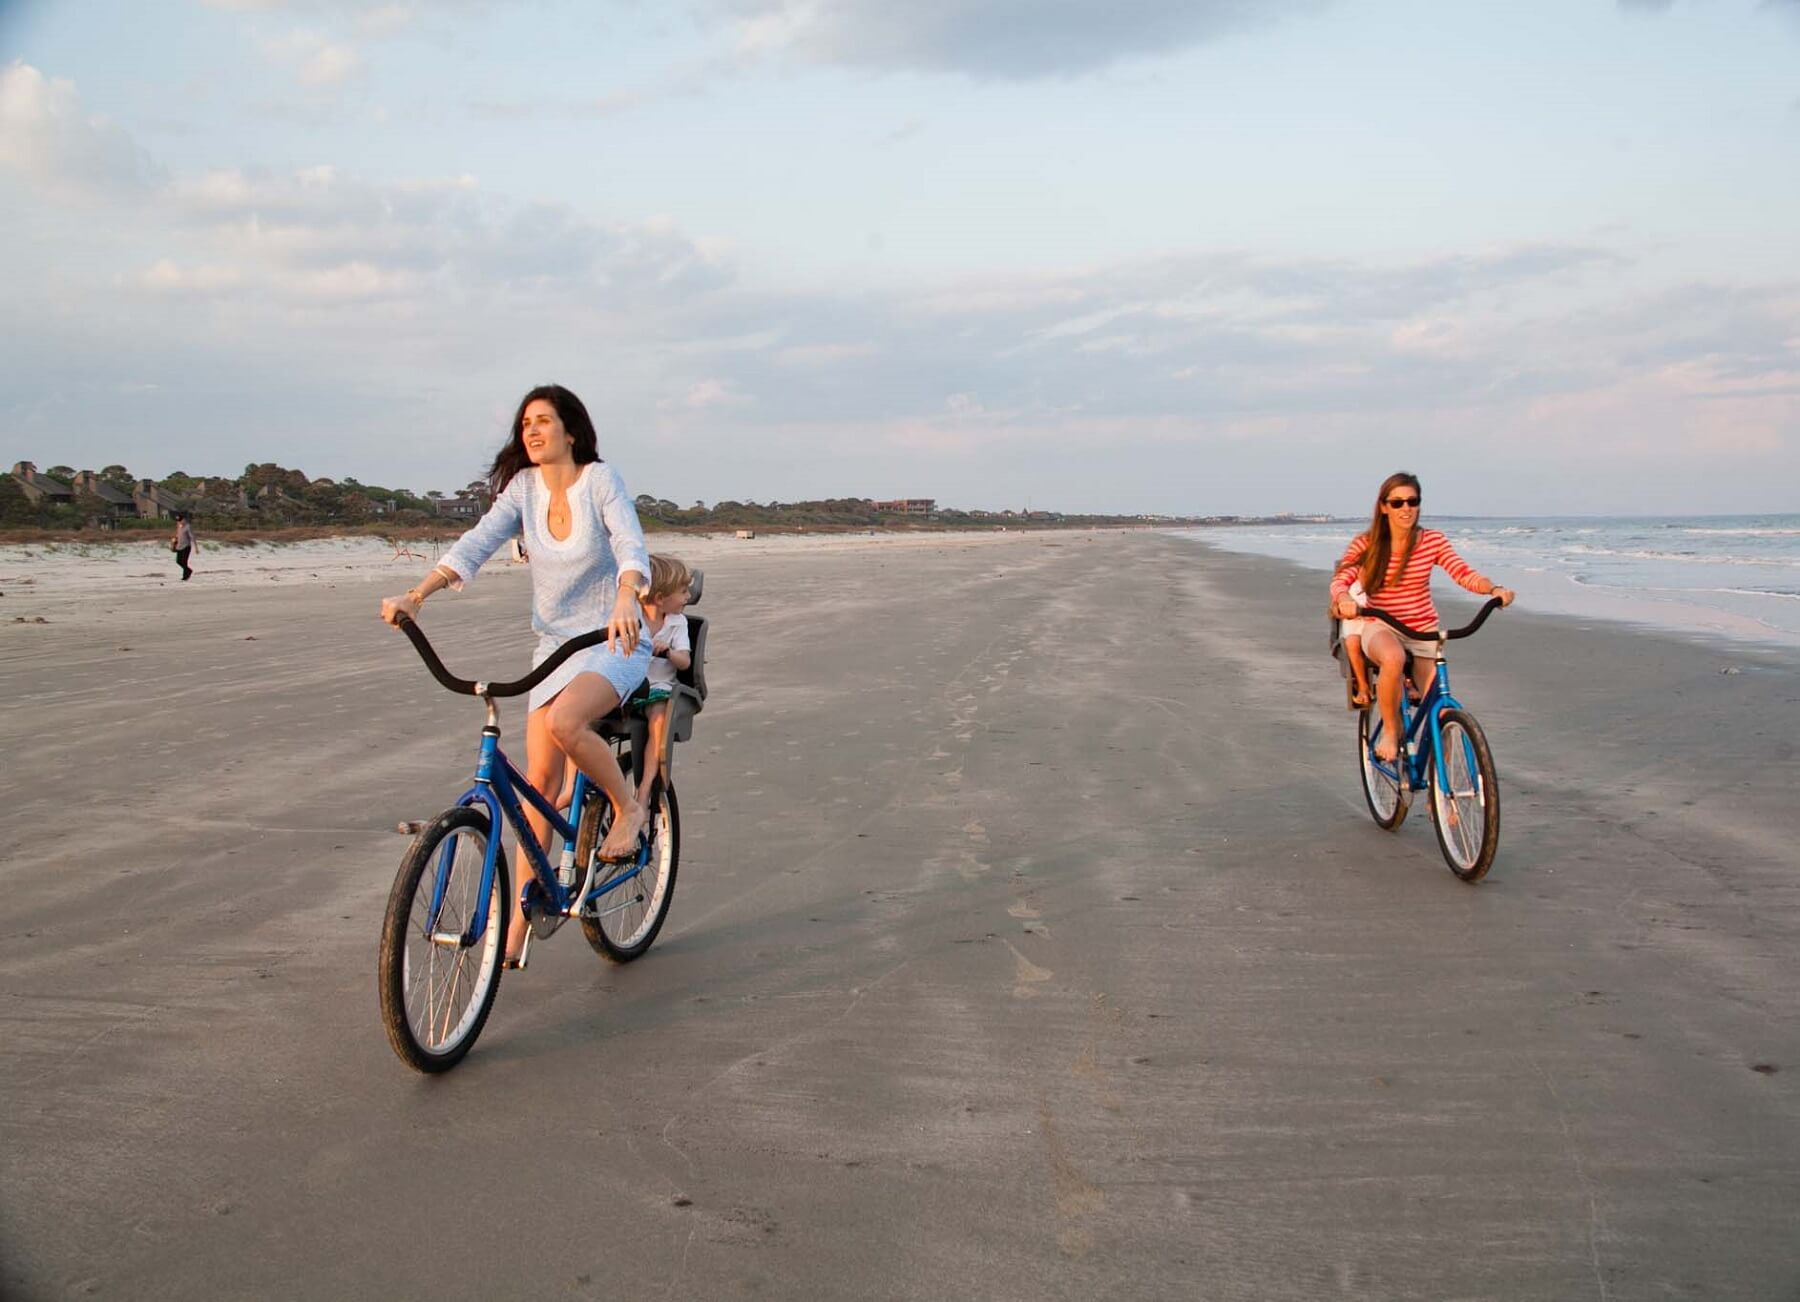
(1385, 787)
(437, 982)
(622, 923)
(1465, 805)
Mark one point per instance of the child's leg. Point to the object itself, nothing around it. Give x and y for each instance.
(1359, 667)
(657, 715)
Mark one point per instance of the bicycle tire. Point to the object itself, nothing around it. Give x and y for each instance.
(471, 976)
(618, 927)
(1387, 798)
(1474, 793)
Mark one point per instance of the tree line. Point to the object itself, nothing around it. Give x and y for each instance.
(271, 496)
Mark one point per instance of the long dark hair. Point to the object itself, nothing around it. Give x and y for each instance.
(1381, 536)
(513, 458)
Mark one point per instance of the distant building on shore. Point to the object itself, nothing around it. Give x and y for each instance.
(40, 489)
(464, 506)
(103, 502)
(908, 505)
(155, 503)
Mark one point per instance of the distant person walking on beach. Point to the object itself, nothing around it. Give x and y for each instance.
(1393, 560)
(588, 570)
(183, 544)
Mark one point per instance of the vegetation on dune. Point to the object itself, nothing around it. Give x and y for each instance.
(273, 500)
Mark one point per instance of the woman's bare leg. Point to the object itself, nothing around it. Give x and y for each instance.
(544, 766)
(1424, 671)
(572, 714)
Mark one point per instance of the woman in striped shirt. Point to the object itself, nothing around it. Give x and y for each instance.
(1393, 560)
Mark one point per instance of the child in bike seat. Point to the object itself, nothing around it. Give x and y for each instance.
(1351, 631)
(670, 651)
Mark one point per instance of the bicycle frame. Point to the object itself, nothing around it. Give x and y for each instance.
(1421, 732)
(498, 786)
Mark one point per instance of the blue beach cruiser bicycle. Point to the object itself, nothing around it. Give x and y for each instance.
(1443, 752)
(447, 915)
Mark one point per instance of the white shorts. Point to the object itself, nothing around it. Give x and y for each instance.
(1423, 648)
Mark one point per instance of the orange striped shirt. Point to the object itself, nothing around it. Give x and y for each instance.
(1407, 597)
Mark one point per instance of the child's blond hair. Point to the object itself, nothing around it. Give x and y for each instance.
(668, 575)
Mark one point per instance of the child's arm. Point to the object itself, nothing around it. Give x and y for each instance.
(678, 652)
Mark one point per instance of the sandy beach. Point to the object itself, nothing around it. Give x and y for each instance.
(1030, 941)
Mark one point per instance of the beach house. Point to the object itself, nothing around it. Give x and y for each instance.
(40, 489)
(154, 503)
(101, 500)
(463, 506)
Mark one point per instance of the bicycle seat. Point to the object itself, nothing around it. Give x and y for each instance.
(686, 700)
(618, 724)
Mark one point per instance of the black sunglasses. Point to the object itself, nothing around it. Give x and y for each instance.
(1398, 502)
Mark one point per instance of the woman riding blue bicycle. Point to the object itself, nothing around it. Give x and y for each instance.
(588, 570)
(1393, 559)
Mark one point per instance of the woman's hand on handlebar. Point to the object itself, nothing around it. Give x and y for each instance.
(392, 608)
(1505, 594)
(1344, 608)
(622, 627)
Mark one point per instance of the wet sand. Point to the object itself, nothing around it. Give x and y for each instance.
(1030, 941)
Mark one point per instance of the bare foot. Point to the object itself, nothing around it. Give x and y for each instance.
(1385, 748)
(1360, 698)
(621, 841)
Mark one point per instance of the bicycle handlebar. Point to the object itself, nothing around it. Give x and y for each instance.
(1493, 604)
(518, 687)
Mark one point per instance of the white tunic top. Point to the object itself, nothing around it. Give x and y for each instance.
(574, 580)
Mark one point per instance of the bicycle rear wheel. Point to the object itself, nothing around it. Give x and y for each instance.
(1466, 812)
(622, 924)
(1385, 787)
(436, 990)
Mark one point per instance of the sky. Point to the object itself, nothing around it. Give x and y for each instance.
(1161, 256)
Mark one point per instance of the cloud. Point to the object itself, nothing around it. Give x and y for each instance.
(576, 107)
(810, 355)
(1010, 40)
(378, 14)
(166, 276)
(48, 138)
(707, 394)
(313, 59)
(328, 300)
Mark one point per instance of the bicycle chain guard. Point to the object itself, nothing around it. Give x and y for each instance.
(544, 920)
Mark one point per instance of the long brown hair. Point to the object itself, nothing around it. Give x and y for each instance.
(1381, 537)
(579, 425)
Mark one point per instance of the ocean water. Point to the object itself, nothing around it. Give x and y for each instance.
(1727, 576)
